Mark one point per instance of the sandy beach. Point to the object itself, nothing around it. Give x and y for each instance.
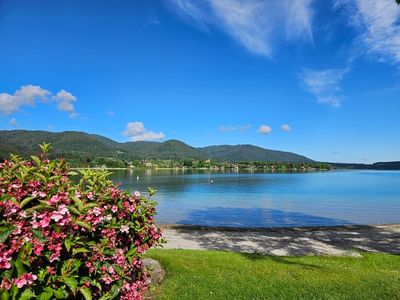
(339, 241)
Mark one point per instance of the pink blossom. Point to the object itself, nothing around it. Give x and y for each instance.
(4, 261)
(97, 211)
(54, 199)
(5, 284)
(124, 228)
(42, 194)
(114, 209)
(107, 279)
(25, 279)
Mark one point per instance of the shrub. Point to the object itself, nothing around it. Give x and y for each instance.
(70, 240)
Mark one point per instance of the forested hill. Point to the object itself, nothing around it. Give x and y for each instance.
(80, 146)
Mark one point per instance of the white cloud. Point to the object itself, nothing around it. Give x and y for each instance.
(26, 95)
(135, 131)
(264, 129)
(234, 128)
(13, 123)
(65, 102)
(285, 127)
(324, 85)
(378, 26)
(255, 24)
(29, 95)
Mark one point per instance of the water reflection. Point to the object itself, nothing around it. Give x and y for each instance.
(195, 196)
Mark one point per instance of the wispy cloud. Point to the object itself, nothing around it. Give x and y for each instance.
(135, 131)
(13, 122)
(231, 128)
(324, 85)
(111, 113)
(286, 127)
(255, 24)
(264, 129)
(378, 25)
(29, 95)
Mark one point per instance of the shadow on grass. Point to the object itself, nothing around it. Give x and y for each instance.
(278, 259)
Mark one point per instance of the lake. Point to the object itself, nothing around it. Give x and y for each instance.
(269, 200)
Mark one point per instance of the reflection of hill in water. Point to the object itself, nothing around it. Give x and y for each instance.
(255, 217)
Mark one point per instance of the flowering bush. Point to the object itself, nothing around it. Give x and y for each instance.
(66, 240)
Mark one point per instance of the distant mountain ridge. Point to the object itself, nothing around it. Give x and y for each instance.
(73, 144)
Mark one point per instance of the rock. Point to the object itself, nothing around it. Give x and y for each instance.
(155, 271)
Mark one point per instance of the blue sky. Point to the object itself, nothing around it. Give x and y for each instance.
(319, 78)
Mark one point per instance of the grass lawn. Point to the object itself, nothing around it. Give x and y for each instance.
(195, 274)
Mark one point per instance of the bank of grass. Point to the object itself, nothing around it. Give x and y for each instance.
(194, 274)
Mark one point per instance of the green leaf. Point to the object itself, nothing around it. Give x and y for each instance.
(14, 291)
(5, 231)
(84, 224)
(72, 283)
(45, 147)
(79, 250)
(67, 244)
(74, 210)
(4, 295)
(46, 294)
(41, 176)
(20, 267)
(78, 202)
(87, 294)
(61, 294)
(36, 160)
(151, 191)
(26, 201)
(27, 294)
(113, 293)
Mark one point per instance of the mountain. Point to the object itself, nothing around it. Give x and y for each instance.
(245, 153)
(81, 147)
(389, 165)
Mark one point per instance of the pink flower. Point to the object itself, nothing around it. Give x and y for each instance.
(54, 199)
(56, 216)
(97, 211)
(107, 279)
(42, 194)
(90, 195)
(114, 209)
(62, 209)
(25, 279)
(5, 284)
(124, 228)
(4, 261)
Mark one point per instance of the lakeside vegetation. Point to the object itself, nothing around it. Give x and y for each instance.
(94, 151)
(194, 274)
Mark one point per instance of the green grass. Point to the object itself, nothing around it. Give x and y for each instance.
(226, 275)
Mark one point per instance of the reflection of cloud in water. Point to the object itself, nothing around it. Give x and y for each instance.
(255, 217)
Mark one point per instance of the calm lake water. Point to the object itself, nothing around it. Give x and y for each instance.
(270, 200)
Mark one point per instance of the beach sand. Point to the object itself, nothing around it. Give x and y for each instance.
(338, 241)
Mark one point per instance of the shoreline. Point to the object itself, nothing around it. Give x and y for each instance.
(277, 228)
